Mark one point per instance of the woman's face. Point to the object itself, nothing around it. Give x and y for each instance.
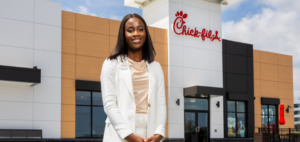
(135, 33)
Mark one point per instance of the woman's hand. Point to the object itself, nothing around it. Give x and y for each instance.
(155, 138)
(134, 138)
(139, 139)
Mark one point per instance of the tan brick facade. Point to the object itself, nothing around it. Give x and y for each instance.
(273, 78)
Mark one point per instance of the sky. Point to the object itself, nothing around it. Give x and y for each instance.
(112, 9)
(270, 25)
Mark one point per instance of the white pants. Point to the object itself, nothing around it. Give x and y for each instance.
(141, 125)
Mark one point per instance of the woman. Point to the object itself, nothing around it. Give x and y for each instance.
(133, 87)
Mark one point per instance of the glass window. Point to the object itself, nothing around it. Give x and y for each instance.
(195, 104)
(230, 106)
(202, 120)
(272, 120)
(241, 124)
(272, 110)
(240, 106)
(264, 121)
(83, 98)
(264, 110)
(97, 98)
(98, 119)
(189, 121)
(83, 121)
(269, 118)
(236, 119)
(90, 116)
(231, 125)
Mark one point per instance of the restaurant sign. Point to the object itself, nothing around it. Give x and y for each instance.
(180, 28)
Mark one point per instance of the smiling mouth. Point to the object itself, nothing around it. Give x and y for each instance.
(136, 41)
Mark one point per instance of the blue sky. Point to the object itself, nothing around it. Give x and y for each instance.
(112, 9)
(243, 9)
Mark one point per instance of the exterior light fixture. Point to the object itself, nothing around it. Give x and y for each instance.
(288, 108)
(178, 102)
(218, 104)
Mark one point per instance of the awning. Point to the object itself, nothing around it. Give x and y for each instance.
(196, 90)
(12, 74)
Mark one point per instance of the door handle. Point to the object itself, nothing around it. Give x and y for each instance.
(197, 129)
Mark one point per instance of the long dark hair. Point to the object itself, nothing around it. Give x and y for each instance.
(121, 48)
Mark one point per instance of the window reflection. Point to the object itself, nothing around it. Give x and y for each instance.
(236, 119)
(97, 98)
(90, 116)
(231, 125)
(241, 124)
(269, 118)
(264, 121)
(231, 106)
(83, 98)
(195, 104)
(271, 110)
(202, 120)
(240, 106)
(189, 121)
(99, 117)
(83, 121)
(264, 109)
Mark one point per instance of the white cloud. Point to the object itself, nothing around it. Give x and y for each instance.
(103, 3)
(275, 29)
(115, 17)
(68, 9)
(84, 10)
(283, 5)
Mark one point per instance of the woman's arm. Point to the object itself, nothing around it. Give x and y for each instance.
(108, 88)
(161, 112)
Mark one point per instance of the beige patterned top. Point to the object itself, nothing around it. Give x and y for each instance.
(140, 82)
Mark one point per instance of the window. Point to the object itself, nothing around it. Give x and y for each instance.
(236, 119)
(296, 112)
(90, 116)
(269, 117)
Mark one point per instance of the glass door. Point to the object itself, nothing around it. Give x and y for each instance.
(196, 120)
(190, 127)
(203, 126)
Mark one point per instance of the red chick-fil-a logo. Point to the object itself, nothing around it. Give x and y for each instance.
(180, 28)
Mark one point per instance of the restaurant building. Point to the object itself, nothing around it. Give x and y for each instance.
(216, 89)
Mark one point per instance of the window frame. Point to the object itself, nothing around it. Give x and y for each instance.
(194, 111)
(236, 116)
(91, 106)
(268, 117)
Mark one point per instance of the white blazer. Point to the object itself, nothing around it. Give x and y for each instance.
(119, 101)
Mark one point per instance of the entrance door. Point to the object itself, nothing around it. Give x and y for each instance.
(196, 120)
